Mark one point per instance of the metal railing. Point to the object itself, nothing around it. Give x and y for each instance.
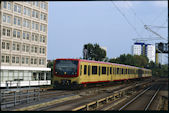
(13, 97)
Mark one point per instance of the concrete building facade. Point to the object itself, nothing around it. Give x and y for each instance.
(24, 28)
(144, 49)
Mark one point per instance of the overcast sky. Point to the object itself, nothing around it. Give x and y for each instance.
(110, 24)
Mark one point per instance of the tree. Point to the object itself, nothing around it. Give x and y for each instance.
(50, 65)
(93, 52)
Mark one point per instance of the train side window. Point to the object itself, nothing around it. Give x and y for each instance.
(94, 70)
(110, 70)
(126, 71)
(117, 70)
(85, 69)
(88, 69)
(103, 70)
(122, 71)
(107, 70)
(99, 70)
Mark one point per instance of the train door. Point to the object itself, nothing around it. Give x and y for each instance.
(85, 73)
(99, 73)
(111, 73)
(89, 73)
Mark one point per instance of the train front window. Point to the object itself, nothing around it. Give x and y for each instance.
(66, 67)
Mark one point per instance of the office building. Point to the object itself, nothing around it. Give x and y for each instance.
(24, 28)
(144, 49)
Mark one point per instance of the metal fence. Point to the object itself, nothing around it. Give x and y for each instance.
(13, 97)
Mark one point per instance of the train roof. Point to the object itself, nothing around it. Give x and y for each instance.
(93, 61)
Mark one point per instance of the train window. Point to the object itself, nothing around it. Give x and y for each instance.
(103, 70)
(99, 70)
(110, 70)
(126, 71)
(107, 70)
(80, 69)
(122, 71)
(94, 69)
(89, 70)
(117, 70)
(85, 69)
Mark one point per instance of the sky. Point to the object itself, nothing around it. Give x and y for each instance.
(111, 24)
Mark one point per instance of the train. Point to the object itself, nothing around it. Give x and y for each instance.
(78, 73)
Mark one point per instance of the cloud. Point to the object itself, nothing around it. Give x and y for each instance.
(161, 3)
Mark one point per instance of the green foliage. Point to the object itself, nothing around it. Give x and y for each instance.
(50, 65)
(143, 62)
(94, 52)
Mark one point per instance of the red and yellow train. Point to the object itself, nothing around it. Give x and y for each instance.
(75, 73)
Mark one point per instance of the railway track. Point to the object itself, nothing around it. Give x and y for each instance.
(73, 104)
(89, 95)
(140, 100)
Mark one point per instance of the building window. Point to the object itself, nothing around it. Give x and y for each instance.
(43, 50)
(36, 3)
(27, 36)
(24, 35)
(5, 5)
(42, 27)
(35, 61)
(13, 59)
(7, 18)
(3, 58)
(23, 48)
(18, 34)
(36, 37)
(27, 48)
(17, 59)
(43, 62)
(17, 21)
(27, 11)
(40, 50)
(35, 14)
(3, 45)
(6, 32)
(17, 8)
(14, 33)
(7, 46)
(43, 16)
(27, 60)
(39, 61)
(9, 6)
(43, 5)
(33, 37)
(23, 60)
(13, 48)
(7, 59)
(36, 48)
(31, 60)
(26, 23)
(32, 49)
(18, 47)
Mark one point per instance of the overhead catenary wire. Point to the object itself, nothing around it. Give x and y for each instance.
(126, 19)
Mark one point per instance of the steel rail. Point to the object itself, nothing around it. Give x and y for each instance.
(135, 98)
(152, 99)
